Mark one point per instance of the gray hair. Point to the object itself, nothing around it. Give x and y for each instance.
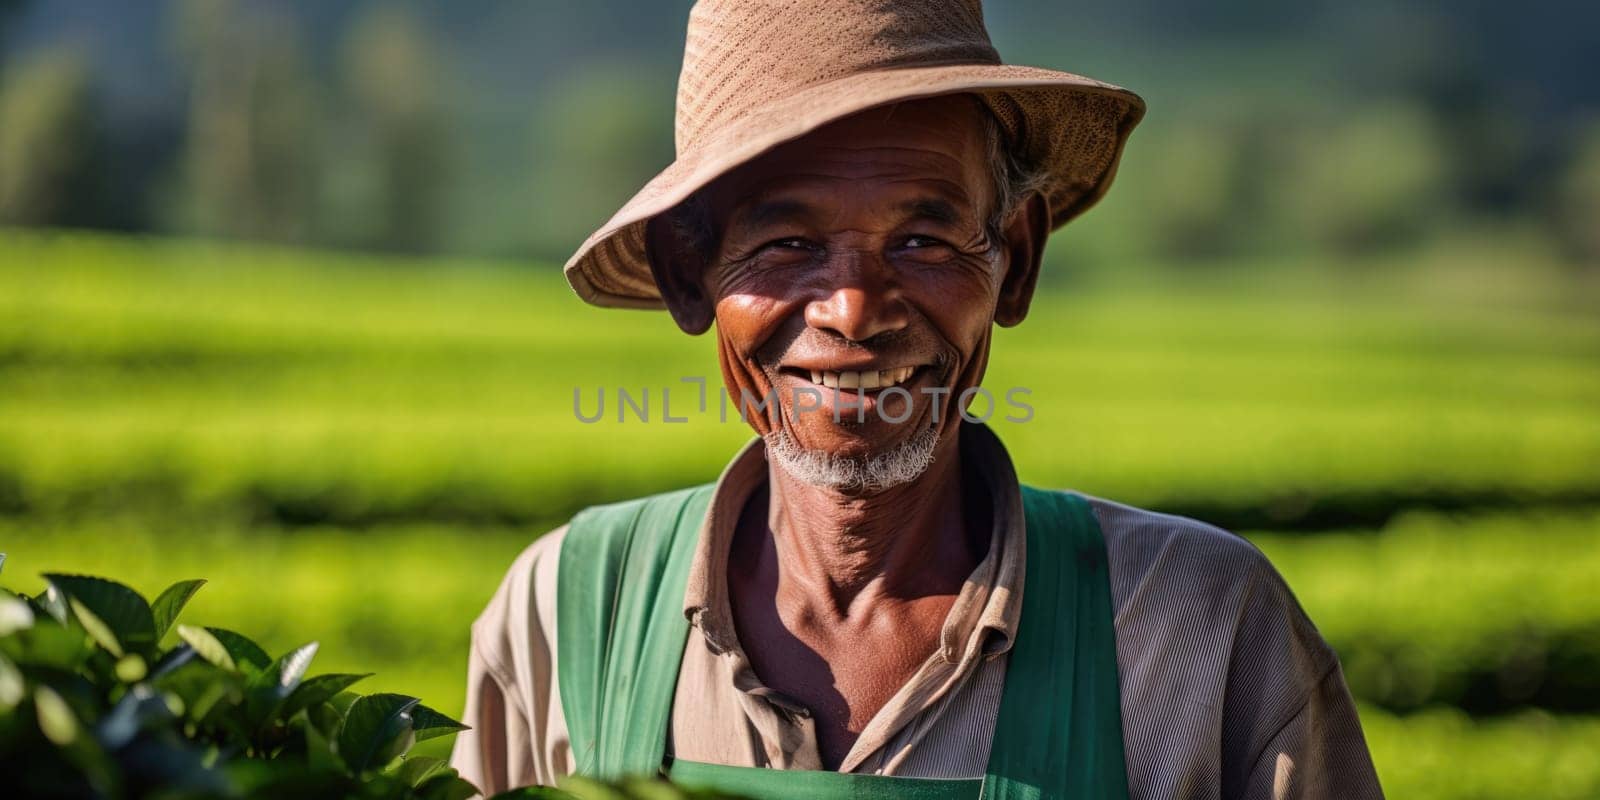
(900, 464)
(1015, 179)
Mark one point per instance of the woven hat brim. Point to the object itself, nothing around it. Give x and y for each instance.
(1073, 127)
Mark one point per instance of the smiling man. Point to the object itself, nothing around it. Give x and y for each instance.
(868, 603)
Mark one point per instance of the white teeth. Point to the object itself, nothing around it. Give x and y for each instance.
(858, 379)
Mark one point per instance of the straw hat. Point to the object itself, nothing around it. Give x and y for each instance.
(758, 73)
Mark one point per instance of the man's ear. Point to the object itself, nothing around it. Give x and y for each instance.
(1025, 235)
(678, 273)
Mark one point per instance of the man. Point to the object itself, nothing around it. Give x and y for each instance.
(867, 595)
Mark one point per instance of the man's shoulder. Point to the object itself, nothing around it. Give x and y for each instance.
(1166, 566)
(1212, 645)
(1177, 579)
(519, 618)
(1139, 541)
(538, 556)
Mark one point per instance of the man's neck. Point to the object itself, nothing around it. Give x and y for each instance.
(839, 555)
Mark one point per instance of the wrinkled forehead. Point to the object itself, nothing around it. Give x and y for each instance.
(937, 144)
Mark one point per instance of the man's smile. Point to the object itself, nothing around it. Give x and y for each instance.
(852, 396)
(859, 379)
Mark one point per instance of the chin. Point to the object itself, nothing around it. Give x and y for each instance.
(860, 467)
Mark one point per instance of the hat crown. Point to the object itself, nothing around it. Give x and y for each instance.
(741, 54)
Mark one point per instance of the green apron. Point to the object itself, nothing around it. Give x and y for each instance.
(621, 633)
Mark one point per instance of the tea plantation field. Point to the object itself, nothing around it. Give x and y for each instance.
(352, 449)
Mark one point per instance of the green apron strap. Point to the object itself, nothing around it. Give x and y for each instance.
(621, 635)
(1059, 733)
(620, 628)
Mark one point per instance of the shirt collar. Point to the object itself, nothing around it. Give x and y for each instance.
(986, 611)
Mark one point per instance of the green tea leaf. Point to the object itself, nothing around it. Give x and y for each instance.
(320, 753)
(416, 769)
(56, 719)
(646, 789)
(317, 689)
(291, 667)
(341, 703)
(115, 615)
(166, 607)
(581, 788)
(223, 647)
(376, 730)
(243, 650)
(431, 724)
(446, 786)
(267, 689)
(99, 630)
(208, 646)
(12, 687)
(534, 793)
(327, 720)
(15, 615)
(52, 602)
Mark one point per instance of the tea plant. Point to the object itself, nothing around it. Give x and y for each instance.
(92, 705)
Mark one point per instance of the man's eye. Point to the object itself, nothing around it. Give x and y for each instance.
(788, 251)
(915, 242)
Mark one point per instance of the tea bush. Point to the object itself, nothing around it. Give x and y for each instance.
(92, 705)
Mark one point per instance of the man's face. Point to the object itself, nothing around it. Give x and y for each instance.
(853, 260)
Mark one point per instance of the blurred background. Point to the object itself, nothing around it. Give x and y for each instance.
(280, 307)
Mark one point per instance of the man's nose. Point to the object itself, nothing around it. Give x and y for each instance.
(864, 301)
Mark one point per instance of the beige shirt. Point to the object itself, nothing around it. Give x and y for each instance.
(1227, 689)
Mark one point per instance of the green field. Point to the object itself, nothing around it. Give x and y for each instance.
(352, 449)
